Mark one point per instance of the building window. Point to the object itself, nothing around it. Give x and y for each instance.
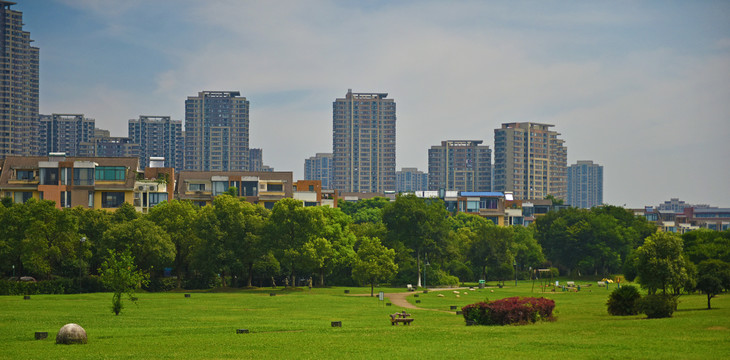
(83, 176)
(23, 196)
(110, 173)
(25, 174)
(274, 187)
(156, 198)
(91, 199)
(112, 199)
(65, 199)
(49, 176)
(196, 187)
(219, 187)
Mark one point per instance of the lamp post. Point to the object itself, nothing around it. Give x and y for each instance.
(515, 266)
(81, 251)
(13, 270)
(424, 272)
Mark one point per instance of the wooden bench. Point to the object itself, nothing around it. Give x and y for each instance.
(401, 317)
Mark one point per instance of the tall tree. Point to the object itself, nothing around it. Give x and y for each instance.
(374, 263)
(420, 225)
(149, 244)
(714, 277)
(661, 263)
(290, 226)
(178, 218)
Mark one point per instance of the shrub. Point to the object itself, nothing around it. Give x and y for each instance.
(658, 305)
(624, 301)
(161, 284)
(513, 310)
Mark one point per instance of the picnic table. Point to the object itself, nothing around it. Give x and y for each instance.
(401, 317)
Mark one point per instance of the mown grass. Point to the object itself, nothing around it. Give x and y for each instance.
(297, 325)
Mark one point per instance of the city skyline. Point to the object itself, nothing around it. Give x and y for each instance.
(638, 88)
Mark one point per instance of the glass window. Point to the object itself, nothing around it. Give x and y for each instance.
(112, 199)
(274, 187)
(25, 174)
(23, 196)
(156, 198)
(472, 206)
(65, 199)
(91, 199)
(219, 187)
(196, 187)
(65, 176)
(110, 173)
(49, 176)
(83, 176)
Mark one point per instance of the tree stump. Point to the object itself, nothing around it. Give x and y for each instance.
(241, 331)
(336, 324)
(40, 335)
(71, 334)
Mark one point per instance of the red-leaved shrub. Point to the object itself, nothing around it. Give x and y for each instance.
(513, 310)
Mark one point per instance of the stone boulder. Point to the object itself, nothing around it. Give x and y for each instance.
(71, 334)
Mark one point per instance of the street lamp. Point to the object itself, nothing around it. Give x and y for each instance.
(81, 250)
(515, 266)
(13, 270)
(424, 272)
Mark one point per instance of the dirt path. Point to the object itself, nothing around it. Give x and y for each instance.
(399, 299)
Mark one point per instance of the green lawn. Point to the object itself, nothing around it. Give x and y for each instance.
(297, 325)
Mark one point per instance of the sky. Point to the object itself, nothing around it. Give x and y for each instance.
(641, 88)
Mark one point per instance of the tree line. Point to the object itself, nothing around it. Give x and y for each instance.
(407, 241)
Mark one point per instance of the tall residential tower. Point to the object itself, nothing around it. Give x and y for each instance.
(19, 92)
(585, 185)
(363, 143)
(530, 161)
(216, 132)
(460, 165)
(319, 167)
(64, 133)
(158, 136)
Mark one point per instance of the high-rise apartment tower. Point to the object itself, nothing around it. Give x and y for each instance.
(530, 161)
(319, 167)
(363, 143)
(19, 92)
(460, 165)
(585, 185)
(216, 131)
(158, 136)
(411, 179)
(64, 133)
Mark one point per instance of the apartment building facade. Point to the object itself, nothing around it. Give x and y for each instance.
(64, 133)
(460, 165)
(319, 167)
(363, 142)
(530, 161)
(410, 179)
(19, 92)
(585, 184)
(158, 136)
(216, 132)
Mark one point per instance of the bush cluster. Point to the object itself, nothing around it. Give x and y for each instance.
(55, 286)
(624, 301)
(658, 305)
(513, 310)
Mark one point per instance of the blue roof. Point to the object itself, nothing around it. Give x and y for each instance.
(481, 193)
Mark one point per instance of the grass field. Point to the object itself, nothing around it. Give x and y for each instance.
(297, 325)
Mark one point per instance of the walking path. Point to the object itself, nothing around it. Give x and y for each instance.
(399, 299)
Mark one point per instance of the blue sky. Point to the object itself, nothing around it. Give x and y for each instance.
(642, 88)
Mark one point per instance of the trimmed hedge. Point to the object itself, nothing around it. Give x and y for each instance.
(512, 310)
(624, 301)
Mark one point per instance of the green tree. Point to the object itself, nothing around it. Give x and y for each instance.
(177, 218)
(290, 226)
(332, 242)
(125, 213)
(419, 225)
(231, 232)
(149, 244)
(714, 277)
(121, 276)
(705, 244)
(661, 264)
(374, 263)
(92, 225)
